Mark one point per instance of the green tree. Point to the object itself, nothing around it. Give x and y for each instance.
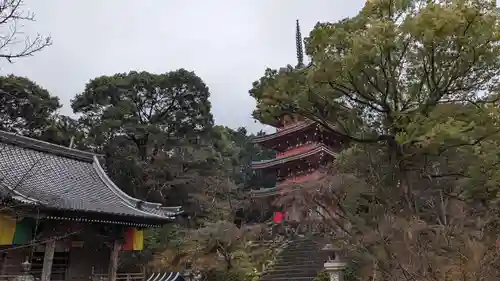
(236, 147)
(151, 126)
(25, 107)
(412, 85)
(145, 107)
(66, 131)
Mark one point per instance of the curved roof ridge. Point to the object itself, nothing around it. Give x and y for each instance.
(120, 193)
(141, 211)
(47, 147)
(111, 185)
(313, 150)
(293, 128)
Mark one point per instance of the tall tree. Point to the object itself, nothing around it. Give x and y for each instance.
(145, 107)
(413, 86)
(25, 107)
(150, 125)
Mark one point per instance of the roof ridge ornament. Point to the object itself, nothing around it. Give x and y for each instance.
(299, 45)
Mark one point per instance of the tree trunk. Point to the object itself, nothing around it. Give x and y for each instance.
(48, 258)
(113, 260)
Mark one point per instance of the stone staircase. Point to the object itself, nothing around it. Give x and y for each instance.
(300, 260)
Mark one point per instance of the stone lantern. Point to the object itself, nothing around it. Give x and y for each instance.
(26, 266)
(26, 276)
(334, 266)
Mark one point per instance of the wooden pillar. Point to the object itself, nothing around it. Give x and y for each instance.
(3, 261)
(48, 258)
(113, 261)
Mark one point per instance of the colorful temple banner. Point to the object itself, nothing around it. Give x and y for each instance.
(24, 231)
(7, 230)
(134, 240)
(15, 233)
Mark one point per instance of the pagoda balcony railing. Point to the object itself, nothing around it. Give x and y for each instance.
(300, 179)
(296, 150)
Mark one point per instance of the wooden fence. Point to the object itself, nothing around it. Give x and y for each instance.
(56, 276)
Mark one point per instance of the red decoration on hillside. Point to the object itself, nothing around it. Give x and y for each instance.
(278, 217)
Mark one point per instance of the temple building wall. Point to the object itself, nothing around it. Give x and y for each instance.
(75, 264)
(10, 261)
(84, 262)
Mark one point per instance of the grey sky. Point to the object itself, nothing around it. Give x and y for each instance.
(227, 43)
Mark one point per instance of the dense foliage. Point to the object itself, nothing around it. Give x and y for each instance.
(413, 85)
(26, 107)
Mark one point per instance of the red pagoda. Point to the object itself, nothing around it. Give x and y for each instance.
(302, 148)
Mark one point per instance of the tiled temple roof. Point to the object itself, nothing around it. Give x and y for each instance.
(59, 178)
(281, 160)
(293, 128)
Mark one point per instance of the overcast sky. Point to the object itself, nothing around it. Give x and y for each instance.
(227, 43)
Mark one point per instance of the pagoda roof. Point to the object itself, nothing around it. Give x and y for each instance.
(58, 178)
(293, 128)
(281, 160)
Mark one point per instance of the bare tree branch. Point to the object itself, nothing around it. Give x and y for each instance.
(12, 17)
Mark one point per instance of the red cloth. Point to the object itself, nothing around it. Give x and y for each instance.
(278, 217)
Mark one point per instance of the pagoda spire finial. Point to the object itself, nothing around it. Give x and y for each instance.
(300, 51)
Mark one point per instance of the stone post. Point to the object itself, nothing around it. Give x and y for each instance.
(335, 266)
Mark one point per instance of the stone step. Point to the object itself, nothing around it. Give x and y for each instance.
(304, 255)
(300, 260)
(288, 267)
(285, 258)
(298, 264)
(291, 270)
(298, 267)
(301, 247)
(302, 252)
(301, 242)
(287, 279)
(303, 266)
(308, 273)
